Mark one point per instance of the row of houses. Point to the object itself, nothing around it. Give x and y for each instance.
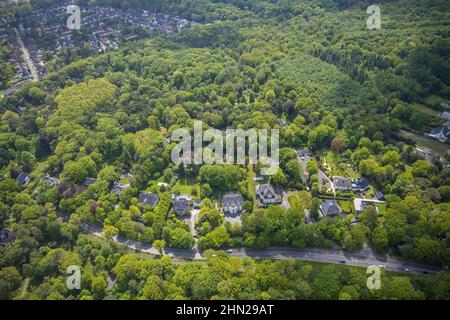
(346, 184)
(330, 208)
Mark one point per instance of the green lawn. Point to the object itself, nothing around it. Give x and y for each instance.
(434, 101)
(346, 206)
(339, 167)
(185, 186)
(425, 109)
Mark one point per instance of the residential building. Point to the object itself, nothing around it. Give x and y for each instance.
(441, 134)
(360, 204)
(360, 185)
(118, 188)
(23, 179)
(379, 195)
(181, 206)
(88, 181)
(330, 208)
(232, 203)
(342, 183)
(268, 194)
(148, 199)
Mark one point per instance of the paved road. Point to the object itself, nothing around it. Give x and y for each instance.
(26, 57)
(364, 258)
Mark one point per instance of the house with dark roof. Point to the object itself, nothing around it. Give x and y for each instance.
(23, 179)
(88, 181)
(232, 203)
(379, 195)
(441, 133)
(330, 208)
(360, 204)
(360, 185)
(148, 199)
(118, 188)
(342, 183)
(304, 153)
(181, 206)
(268, 194)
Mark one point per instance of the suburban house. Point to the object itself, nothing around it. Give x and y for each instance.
(23, 179)
(181, 205)
(148, 199)
(268, 194)
(379, 195)
(232, 203)
(330, 208)
(52, 181)
(88, 181)
(360, 204)
(360, 185)
(441, 133)
(304, 153)
(342, 183)
(118, 188)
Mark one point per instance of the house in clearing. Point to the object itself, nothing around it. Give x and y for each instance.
(342, 183)
(268, 194)
(181, 204)
(23, 179)
(148, 199)
(360, 185)
(440, 133)
(232, 203)
(360, 204)
(88, 181)
(118, 188)
(330, 208)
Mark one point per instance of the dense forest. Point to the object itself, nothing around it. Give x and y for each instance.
(341, 91)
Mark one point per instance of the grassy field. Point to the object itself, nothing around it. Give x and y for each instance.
(426, 109)
(433, 101)
(338, 167)
(185, 186)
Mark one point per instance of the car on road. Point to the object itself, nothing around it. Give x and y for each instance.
(382, 266)
(343, 262)
(407, 269)
(230, 251)
(425, 272)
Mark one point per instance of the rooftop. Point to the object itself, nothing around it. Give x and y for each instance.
(330, 208)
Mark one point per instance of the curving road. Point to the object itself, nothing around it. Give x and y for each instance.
(364, 258)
